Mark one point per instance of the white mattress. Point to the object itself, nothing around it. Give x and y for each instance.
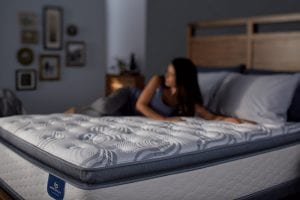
(229, 180)
(139, 158)
(100, 152)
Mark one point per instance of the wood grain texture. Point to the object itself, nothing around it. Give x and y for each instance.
(219, 51)
(278, 50)
(277, 53)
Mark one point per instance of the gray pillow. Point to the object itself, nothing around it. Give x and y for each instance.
(209, 83)
(264, 99)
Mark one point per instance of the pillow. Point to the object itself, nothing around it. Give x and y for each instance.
(209, 82)
(238, 68)
(210, 78)
(264, 72)
(263, 99)
(293, 113)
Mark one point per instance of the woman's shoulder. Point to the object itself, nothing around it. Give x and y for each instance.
(157, 77)
(157, 80)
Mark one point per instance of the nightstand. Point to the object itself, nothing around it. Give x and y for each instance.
(114, 82)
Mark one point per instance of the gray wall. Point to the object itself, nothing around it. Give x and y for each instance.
(126, 27)
(78, 86)
(163, 39)
(167, 20)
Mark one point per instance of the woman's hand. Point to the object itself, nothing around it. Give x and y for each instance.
(70, 110)
(247, 121)
(232, 119)
(204, 113)
(174, 119)
(237, 120)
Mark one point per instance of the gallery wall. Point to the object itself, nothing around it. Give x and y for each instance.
(155, 30)
(167, 20)
(78, 86)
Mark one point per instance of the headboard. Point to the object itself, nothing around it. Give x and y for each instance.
(269, 42)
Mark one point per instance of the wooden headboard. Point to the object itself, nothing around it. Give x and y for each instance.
(269, 42)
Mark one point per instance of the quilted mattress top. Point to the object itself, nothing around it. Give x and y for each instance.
(127, 146)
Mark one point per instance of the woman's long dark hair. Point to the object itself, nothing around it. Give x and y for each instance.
(188, 92)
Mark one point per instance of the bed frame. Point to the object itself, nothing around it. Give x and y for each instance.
(260, 43)
(269, 42)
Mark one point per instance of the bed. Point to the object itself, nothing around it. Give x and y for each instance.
(73, 156)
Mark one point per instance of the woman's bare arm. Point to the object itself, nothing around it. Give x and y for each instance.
(204, 113)
(142, 104)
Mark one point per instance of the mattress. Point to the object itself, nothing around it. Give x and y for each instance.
(104, 153)
(233, 179)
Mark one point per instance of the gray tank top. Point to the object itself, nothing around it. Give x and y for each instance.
(156, 102)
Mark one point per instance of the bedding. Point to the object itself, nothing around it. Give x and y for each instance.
(238, 68)
(293, 113)
(210, 79)
(107, 151)
(209, 82)
(263, 99)
(127, 157)
(271, 174)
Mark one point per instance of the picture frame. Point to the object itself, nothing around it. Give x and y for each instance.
(75, 53)
(28, 20)
(53, 27)
(29, 37)
(25, 56)
(26, 79)
(49, 67)
(72, 30)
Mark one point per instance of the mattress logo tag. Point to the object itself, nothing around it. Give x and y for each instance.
(56, 187)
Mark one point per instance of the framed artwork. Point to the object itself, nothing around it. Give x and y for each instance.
(28, 20)
(49, 67)
(25, 79)
(29, 37)
(25, 56)
(75, 53)
(72, 30)
(53, 26)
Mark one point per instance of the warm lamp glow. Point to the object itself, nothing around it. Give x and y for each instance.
(116, 85)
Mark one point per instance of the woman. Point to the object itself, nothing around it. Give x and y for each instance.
(179, 94)
(166, 98)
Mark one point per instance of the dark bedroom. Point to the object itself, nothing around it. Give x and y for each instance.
(150, 99)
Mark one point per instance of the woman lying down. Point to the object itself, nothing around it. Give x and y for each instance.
(167, 98)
